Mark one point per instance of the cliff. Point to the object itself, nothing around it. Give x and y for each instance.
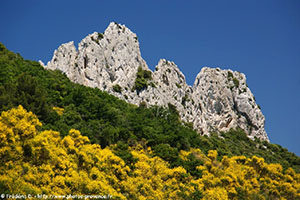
(217, 101)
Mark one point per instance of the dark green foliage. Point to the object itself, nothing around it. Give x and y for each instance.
(229, 75)
(190, 165)
(166, 152)
(178, 85)
(121, 150)
(258, 106)
(30, 94)
(117, 88)
(100, 36)
(140, 84)
(143, 104)
(197, 195)
(152, 85)
(107, 120)
(189, 125)
(4, 187)
(236, 82)
(142, 78)
(184, 99)
(21, 87)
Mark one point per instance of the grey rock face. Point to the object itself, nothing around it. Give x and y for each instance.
(218, 100)
(226, 102)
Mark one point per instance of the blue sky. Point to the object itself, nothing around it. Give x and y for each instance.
(259, 38)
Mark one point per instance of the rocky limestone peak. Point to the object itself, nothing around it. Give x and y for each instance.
(226, 102)
(64, 56)
(102, 60)
(218, 100)
(167, 69)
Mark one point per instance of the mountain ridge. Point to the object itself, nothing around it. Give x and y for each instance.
(218, 100)
(106, 120)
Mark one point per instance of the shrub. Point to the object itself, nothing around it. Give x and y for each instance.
(117, 88)
(258, 106)
(184, 99)
(236, 82)
(229, 75)
(142, 78)
(153, 85)
(100, 36)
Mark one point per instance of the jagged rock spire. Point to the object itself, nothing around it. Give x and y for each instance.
(218, 100)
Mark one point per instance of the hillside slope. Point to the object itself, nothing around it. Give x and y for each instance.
(45, 165)
(62, 105)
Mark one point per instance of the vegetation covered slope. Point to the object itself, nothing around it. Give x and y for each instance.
(118, 126)
(42, 162)
(62, 105)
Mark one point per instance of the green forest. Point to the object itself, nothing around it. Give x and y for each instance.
(63, 111)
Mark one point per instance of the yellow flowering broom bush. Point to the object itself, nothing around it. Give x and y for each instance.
(42, 162)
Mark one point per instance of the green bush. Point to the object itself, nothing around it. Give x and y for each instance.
(236, 82)
(121, 150)
(185, 99)
(142, 78)
(166, 152)
(117, 88)
(100, 36)
(229, 75)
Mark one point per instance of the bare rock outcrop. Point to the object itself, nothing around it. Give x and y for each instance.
(218, 100)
